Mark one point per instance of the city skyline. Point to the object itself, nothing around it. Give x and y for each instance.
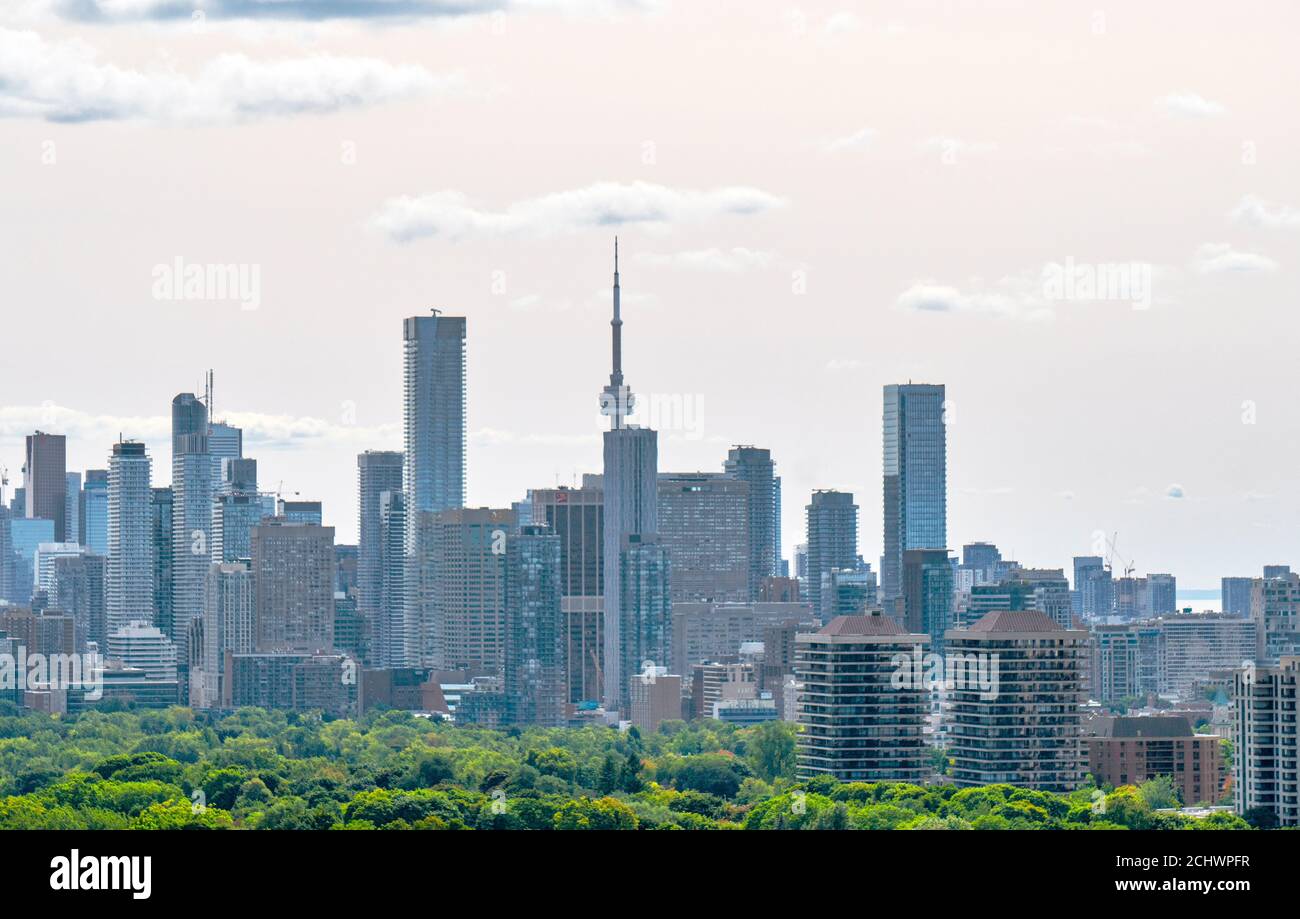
(1153, 403)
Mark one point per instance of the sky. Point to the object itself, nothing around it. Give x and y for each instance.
(1084, 219)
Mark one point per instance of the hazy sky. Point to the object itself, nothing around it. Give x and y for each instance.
(812, 202)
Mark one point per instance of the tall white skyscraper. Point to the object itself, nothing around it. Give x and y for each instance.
(128, 592)
(631, 499)
(191, 534)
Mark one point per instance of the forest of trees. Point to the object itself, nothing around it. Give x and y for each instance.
(256, 769)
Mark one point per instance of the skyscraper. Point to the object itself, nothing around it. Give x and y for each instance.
(704, 525)
(645, 631)
(915, 477)
(160, 548)
(378, 471)
(94, 511)
(534, 629)
(577, 517)
(229, 624)
(434, 414)
(832, 540)
(128, 591)
(754, 465)
(189, 416)
(927, 594)
(46, 482)
(192, 493)
(293, 567)
(465, 574)
(631, 499)
(72, 507)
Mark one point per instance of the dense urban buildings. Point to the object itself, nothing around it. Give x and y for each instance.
(704, 525)
(832, 519)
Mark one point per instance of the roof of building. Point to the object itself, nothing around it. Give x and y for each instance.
(1154, 726)
(861, 625)
(1028, 620)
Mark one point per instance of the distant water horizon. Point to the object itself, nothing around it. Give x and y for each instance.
(1210, 599)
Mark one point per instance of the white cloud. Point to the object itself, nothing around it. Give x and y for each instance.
(838, 365)
(732, 261)
(858, 140)
(1012, 298)
(1189, 105)
(604, 204)
(1174, 491)
(117, 11)
(951, 149)
(65, 81)
(1221, 258)
(1262, 214)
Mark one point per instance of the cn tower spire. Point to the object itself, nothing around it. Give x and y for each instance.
(616, 399)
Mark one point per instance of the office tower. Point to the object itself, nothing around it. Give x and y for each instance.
(345, 571)
(225, 444)
(94, 511)
(654, 699)
(1270, 571)
(464, 576)
(300, 511)
(293, 567)
(192, 494)
(645, 630)
(27, 535)
(1275, 609)
(784, 590)
(378, 471)
(857, 724)
(44, 633)
(981, 557)
(630, 484)
(535, 684)
(754, 466)
(229, 624)
(45, 481)
(708, 632)
(915, 477)
(46, 554)
(234, 515)
(350, 636)
(1193, 645)
(129, 586)
(1087, 568)
(1235, 594)
(927, 594)
(77, 588)
(1129, 751)
(848, 592)
(832, 541)
(577, 517)
(801, 564)
(1265, 752)
(1014, 713)
(160, 547)
(144, 647)
(1163, 589)
(189, 416)
(72, 506)
(704, 525)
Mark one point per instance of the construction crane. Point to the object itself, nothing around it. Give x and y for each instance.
(1112, 554)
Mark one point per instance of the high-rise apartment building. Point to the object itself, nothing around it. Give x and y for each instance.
(1266, 750)
(1014, 707)
(859, 724)
(1235, 595)
(229, 624)
(754, 466)
(77, 588)
(466, 565)
(378, 471)
(645, 629)
(1275, 610)
(928, 594)
(832, 541)
(535, 684)
(915, 477)
(192, 493)
(128, 584)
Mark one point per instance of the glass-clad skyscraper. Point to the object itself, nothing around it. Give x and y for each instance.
(915, 481)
